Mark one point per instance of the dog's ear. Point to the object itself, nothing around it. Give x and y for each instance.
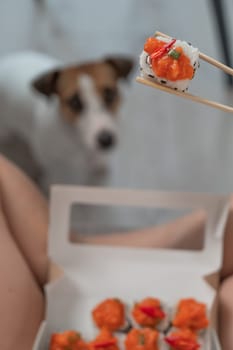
(46, 83)
(122, 65)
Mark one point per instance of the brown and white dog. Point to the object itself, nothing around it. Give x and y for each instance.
(66, 113)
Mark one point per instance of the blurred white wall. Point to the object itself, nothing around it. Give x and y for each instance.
(88, 29)
(16, 23)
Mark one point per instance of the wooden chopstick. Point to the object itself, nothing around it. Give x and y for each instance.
(186, 95)
(208, 59)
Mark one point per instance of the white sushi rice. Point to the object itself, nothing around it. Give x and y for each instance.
(164, 324)
(162, 344)
(121, 341)
(180, 85)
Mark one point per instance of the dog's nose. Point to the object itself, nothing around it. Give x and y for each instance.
(106, 140)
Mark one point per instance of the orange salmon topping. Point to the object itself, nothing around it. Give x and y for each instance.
(142, 339)
(109, 314)
(148, 312)
(67, 340)
(104, 341)
(152, 44)
(191, 314)
(182, 339)
(165, 65)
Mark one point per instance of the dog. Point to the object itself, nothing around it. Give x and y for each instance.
(66, 113)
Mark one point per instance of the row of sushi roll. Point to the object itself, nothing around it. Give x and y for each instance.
(168, 61)
(151, 326)
(150, 312)
(136, 339)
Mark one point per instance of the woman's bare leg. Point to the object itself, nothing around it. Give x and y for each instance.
(226, 288)
(23, 261)
(26, 213)
(226, 313)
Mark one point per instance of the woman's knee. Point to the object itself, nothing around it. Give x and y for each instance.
(226, 313)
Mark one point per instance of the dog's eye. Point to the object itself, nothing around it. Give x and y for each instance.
(109, 95)
(75, 103)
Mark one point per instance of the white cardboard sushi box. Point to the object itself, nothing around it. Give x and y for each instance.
(92, 273)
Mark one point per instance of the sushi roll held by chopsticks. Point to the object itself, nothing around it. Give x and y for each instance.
(170, 62)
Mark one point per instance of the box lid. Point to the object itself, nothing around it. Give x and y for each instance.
(98, 268)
